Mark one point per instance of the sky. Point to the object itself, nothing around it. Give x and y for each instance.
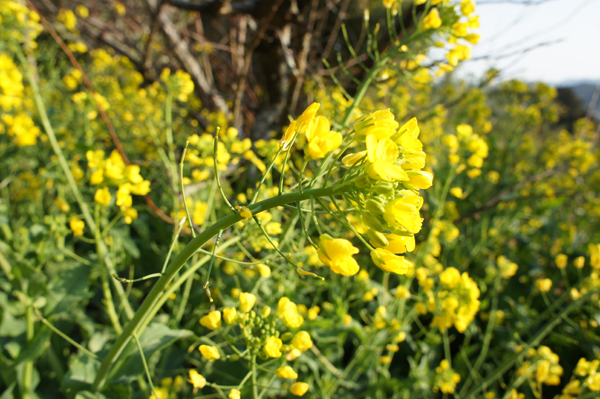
(569, 30)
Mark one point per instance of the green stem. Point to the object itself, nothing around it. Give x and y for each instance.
(265, 176)
(187, 210)
(161, 284)
(254, 387)
(67, 171)
(137, 341)
(110, 305)
(28, 368)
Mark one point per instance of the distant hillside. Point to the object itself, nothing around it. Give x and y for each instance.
(584, 92)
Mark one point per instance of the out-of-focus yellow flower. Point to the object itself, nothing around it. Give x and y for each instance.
(579, 262)
(230, 316)
(273, 346)
(212, 321)
(197, 380)
(347, 320)
(302, 341)
(561, 261)
(456, 192)
(432, 20)
(389, 262)
(286, 372)
(82, 11)
(77, 226)
(234, 394)
(467, 7)
(247, 301)
(264, 270)
(299, 388)
(102, 196)
(337, 254)
(209, 352)
(544, 284)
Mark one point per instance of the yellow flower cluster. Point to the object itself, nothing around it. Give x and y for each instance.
(541, 365)
(112, 171)
(455, 302)
(445, 379)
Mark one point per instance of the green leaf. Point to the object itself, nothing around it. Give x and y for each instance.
(89, 395)
(81, 374)
(128, 244)
(36, 347)
(67, 289)
(155, 338)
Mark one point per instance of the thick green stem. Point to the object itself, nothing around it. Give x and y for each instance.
(159, 287)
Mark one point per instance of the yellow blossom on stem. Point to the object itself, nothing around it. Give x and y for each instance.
(230, 316)
(432, 20)
(212, 320)
(102, 196)
(77, 226)
(544, 284)
(273, 346)
(337, 254)
(197, 380)
(286, 372)
(299, 388)
(209, 352)
(234, 394)
(302, 341)
(247, 301)
(389, 262)
(304, 120)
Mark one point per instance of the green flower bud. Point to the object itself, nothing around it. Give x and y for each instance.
(383, 188)
(372, 222)
(377, 238)
(375, 206)
(287, 336)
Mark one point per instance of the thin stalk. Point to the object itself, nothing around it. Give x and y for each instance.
(63, 335)
(145, 365)
(187, 210)
(108, 301)
(146, 308)
(28, 368)
(253, 370)
(287, 155)
(265, 176)
(216, 170)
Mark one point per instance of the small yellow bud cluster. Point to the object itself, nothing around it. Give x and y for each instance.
(542, 365)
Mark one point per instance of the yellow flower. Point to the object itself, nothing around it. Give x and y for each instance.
(264, 270)
(209, 352)
(129, 214)
(420, 179)
(82, 11)
(579, 262)
(544, 284)
(407, 137)
(247, 301)
(286, 372)
(320, 140)
(273, 346)
(389, 262)
(313, 312)
(299, 388)
(212, 320)
(230, 316)
(450, 277)
(337, 254)
(244, 212)
(302, 341)
(380, 124)
(403, 212)
(102, 196)
(77, 226)
(197, 380)
(288, 136)
(456, 192)
(399, 244)
(561, 261)
(467, 7)
(234, 394)
(304, 120)
(382, 154)
(347, 320)
(432, 20)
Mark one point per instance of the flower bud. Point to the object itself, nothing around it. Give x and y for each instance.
(286, 336)
(377, 238)
(383, 188)
(372, 222)
(375, 206)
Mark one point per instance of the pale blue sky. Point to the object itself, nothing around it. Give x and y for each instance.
(508, 28)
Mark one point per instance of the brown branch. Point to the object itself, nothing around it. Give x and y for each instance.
(109, 126)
